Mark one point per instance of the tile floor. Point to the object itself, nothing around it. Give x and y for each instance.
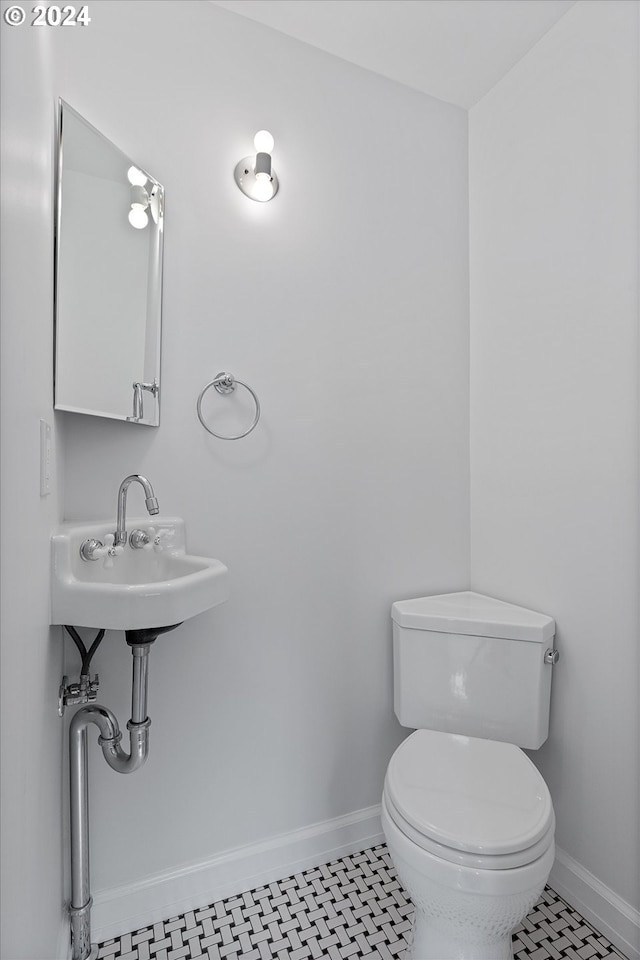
(351, 908)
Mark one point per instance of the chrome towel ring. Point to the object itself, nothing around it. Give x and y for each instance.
(225, 383)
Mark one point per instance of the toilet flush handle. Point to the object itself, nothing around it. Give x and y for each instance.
(551, 656)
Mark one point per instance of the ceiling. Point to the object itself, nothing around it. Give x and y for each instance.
(455, 50)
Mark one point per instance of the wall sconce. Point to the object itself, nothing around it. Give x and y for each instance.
(142, 199)
(254, 175)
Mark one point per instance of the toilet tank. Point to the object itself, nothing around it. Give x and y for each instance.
(468, 664)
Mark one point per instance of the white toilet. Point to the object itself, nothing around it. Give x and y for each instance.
(467, 817)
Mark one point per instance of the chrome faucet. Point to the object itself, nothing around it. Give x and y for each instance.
(150, 502)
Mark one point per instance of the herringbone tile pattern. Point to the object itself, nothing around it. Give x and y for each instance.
(351, 908)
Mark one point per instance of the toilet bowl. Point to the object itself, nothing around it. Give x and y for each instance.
(469, 825)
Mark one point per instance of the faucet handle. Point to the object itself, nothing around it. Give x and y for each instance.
(142, 539)
(92, 549)
(110, 551)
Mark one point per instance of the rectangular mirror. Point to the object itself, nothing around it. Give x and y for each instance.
(108, 286)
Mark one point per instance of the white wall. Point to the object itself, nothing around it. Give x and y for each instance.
(344, 304)
(31, 658)
(554, 403)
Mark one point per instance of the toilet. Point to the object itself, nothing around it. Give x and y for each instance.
(468, 819)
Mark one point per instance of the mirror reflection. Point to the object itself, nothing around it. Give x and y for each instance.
(108, 278)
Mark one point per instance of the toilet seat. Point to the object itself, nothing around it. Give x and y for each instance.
(505, 861)
(473, 802)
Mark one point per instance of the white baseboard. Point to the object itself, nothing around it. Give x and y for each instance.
(616, 919)
(122, 909)
(128, 907)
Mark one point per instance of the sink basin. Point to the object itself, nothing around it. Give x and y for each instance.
(151, 587)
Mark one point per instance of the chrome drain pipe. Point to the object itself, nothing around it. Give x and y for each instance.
(109, 740)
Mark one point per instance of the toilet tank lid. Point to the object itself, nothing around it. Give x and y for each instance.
(473, 614)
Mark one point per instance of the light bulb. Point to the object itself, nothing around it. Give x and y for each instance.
(263, 142)
(263, 189)
(263, 176)
(136, 177)
(137, 216)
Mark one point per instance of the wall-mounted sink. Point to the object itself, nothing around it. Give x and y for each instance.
(150, 587)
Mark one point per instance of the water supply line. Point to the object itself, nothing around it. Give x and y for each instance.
(86, 691)
(109, 740)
